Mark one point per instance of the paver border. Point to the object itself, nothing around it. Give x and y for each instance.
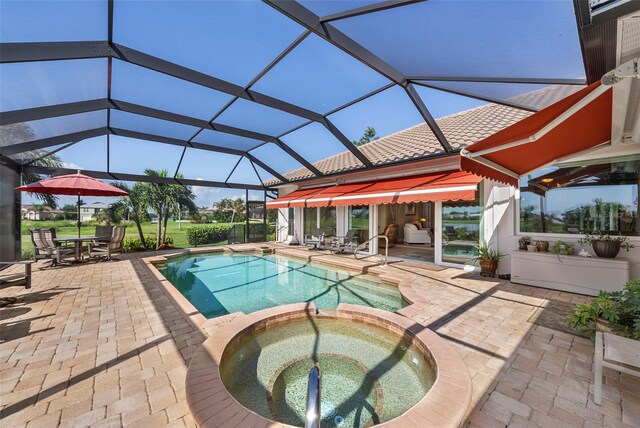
(191, 314)
(212, 405)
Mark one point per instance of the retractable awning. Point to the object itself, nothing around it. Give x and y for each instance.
(577, 123)
(440, 186)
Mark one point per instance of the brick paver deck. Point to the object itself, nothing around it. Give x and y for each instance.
(101, 344)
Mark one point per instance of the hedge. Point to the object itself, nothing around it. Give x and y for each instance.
(201, 235)
(130, 245)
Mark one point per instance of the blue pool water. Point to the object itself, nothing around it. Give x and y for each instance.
(225, 283)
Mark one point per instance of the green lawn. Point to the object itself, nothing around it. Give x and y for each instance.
(69, 228)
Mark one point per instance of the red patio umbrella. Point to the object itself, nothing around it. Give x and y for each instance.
(73, 184)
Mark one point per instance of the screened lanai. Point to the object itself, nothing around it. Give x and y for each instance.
(235, 95)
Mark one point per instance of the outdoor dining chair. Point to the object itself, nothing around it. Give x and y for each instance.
(343, 243)
(103, 233)
(45, 246)
(110, 247)
(315, 239)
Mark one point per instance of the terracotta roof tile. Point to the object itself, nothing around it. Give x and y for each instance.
(418, 142)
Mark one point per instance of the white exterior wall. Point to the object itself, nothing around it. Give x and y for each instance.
(501, 228)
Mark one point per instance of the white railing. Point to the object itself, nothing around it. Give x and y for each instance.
(386, 248)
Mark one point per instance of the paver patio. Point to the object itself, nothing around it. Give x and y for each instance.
(101, 344)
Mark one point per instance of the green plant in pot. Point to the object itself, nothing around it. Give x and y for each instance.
(523, 242)
(616, 311)
(562, 248)
(488, 259)
(606, 246)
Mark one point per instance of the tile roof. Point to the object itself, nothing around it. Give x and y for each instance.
(418, 142)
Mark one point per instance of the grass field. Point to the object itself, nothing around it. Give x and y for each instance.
(69, 228)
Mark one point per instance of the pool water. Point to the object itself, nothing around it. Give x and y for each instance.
(369, 375)
(225, 283)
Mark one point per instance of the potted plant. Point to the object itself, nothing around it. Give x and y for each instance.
(523, 242)
(616, 312)
(606, 246)
(542, 246)
(533, 247)
(562, 248)
(488, 259)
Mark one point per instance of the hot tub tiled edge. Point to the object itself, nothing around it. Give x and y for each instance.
(444, 405)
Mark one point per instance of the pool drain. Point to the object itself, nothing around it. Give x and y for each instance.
(328, 410)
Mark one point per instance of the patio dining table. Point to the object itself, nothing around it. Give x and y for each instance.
(77, 241)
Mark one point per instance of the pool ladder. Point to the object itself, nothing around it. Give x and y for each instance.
(386, 248)
(312, 414)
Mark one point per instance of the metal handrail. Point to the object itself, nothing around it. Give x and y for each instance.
(386, 248)
(312, 415)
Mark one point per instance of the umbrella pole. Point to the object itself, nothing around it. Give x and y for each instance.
(78, 214)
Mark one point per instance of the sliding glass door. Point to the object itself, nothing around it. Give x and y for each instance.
(461, 227)
(358, 221)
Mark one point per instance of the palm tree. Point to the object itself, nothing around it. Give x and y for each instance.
(178, 197)
(156, 197)
(135, 204)
(16, 133)
(236, 207)
(163, 198)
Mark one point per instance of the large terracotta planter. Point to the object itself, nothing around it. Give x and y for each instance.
(606, 249)
(488, 267)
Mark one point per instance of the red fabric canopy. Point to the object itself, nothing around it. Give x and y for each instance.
(440, 186)
(73, 184)
(574, 124)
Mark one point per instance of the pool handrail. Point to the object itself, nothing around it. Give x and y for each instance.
(386, 248)
(312, 414)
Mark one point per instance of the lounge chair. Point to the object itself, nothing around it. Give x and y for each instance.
(343, 243)
(111, 247)
(46, 247)
(615, 352)
(315, 239)
(16, 278)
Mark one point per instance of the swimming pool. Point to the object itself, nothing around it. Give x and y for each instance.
(221, 284)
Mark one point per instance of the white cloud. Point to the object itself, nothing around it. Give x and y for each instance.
(71, 165)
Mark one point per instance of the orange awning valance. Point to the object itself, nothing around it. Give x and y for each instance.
(439, 186)
(577, 123)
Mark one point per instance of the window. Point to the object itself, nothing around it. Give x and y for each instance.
(599, 195)
(461, 221)
(359, 222)
(328, 220)
(291, 222)
(310, 220)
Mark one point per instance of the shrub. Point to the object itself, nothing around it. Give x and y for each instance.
(621, 309)
(27, 254)
(201, 235)
(135, 244)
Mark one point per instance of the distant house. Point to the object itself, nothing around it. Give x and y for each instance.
(87, 211)
(29, 212)
(207, 211)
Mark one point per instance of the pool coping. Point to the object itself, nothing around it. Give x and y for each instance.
(445, 404)
(191, 314)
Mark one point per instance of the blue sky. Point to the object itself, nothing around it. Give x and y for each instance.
(236, 40)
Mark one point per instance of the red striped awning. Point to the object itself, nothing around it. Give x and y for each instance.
(438, 186)
(570, 126)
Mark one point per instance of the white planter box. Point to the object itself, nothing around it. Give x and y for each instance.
(584, 275)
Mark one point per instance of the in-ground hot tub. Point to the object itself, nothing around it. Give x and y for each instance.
(376, 367)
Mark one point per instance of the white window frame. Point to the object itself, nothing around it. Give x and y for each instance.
(553, 236)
